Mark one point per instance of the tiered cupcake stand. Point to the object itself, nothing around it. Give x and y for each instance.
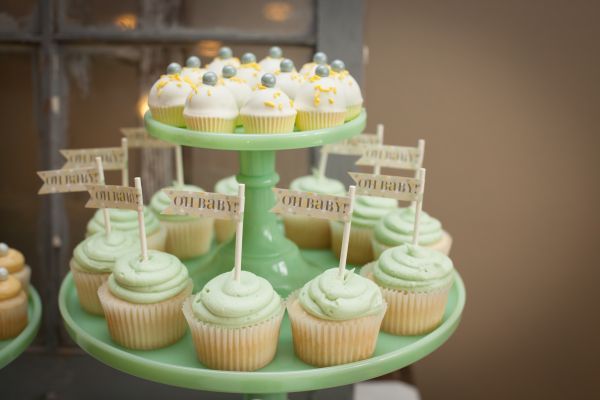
(12, 348)
(268, 253)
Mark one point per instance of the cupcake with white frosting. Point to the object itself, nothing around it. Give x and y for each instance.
(224, 57)
(270, 63)
(397, 227)
(288, 80)
(415, 282)
(235, 323)
(142, 300)
(335, 319)
(237, 86)
(225, 228)
(249, 70)
(93, 261)
(168, 95)
(14, 262)
(308, 232)
(319, 102)
(193, 70)
(308, 69)
(211, 107)
(269, 110)
(349, 87)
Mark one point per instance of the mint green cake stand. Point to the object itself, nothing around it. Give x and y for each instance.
(266, 251)
(177, 365)
(12, 348)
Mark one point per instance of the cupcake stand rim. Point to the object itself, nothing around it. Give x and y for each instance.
(278, 382)
(254, 142)
(12, 348)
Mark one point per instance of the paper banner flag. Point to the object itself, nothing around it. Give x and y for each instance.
(138, 138)
(352, 146)
(396, 187)
(67, 180)
(113, 158)
(311, 204)
(207, 204)
(110, 196)
(390, 156)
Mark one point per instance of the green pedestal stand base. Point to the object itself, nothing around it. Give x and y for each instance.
(12, 348)
(177, 365)
(265, 250)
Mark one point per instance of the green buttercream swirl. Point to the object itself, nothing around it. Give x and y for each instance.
(318, 184)
(160, 201)
(236, 304)
(98, 253)
(159, 278)
(124, 221)
(397, 228)
(409, 267)
(330, 297)
(228, 186)
(369, 210)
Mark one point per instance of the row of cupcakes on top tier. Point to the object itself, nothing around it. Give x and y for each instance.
(275, 104)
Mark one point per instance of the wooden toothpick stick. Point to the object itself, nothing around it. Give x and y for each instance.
(419, 205)
(377, 167)
(107, 227)
(141, 224)
(179, 165)
(237, 267)
(346, 234)
(125, 170)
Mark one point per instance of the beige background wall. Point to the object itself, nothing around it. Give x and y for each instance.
(507, 95)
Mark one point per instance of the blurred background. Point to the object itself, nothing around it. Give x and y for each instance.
(506, 94)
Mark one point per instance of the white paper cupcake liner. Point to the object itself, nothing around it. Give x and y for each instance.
(324, 343)
(234, 349)
(353, 111)
(157, 240)
(443, 245)
(210, 124)
(224, 229)
(306, 232)
(13, 316)
(24, 276)
(255, 124)
(87, 285)
(144, 326)
(360, 250)
(168, 115)
(311, 120)
(191, 238)
(411, 313)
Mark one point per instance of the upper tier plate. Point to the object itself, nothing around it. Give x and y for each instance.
(255, 142)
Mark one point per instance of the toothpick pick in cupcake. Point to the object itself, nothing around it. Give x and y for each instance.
(315, 205)
(107, 227)
(214, 205)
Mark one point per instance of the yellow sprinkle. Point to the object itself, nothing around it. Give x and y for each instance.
(330, 100)
(317, 101)
(179, 85)
(260, 86)
(188, 81)
(292, 103)
(270, 104)
(208, 92)
(280, 106)
(276, 95)
(314, 78)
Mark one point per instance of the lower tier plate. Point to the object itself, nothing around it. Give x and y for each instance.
(177, 364)
(12, 348)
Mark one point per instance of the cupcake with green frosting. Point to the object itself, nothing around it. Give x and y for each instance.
(142, 300)
(415, 282)
(235, 324)
(188, 236)
(127, 221)
(397, 227)
(335, 319)
(225, 228)
(367, 213)
(307, 232)
(93, 261)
